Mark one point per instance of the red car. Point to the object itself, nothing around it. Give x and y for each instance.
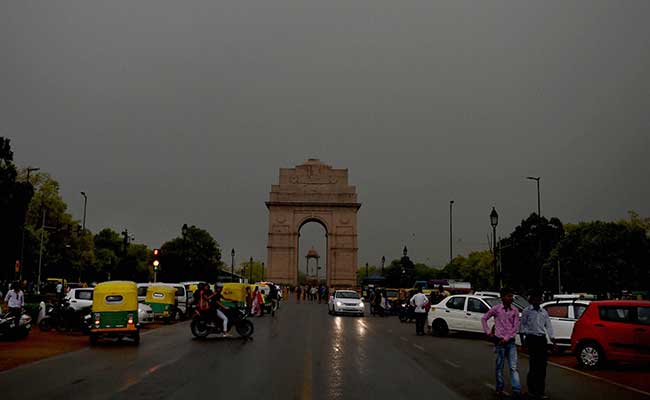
(616, 330)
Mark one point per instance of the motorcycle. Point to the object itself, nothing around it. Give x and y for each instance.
(8, 328)
(208, 323)
(64, 318)
(406, 313)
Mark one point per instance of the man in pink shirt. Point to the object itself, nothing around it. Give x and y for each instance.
(506, 325)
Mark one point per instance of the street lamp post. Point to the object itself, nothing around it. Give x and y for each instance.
(494, 221)
(83, 224)
(451, 248)
(539, 208)
(383, 261)
(366, 271)
(232, 264)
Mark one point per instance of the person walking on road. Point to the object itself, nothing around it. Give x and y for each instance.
(535, 325)
(298, 293)
(506, 325)
(419, 301)
(15, 300)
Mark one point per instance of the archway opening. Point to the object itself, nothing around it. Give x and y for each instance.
(312, 254)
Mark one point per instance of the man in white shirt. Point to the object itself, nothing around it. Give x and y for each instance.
(419, 301)
(15, 301)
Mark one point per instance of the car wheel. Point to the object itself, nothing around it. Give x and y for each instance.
(590, 355)
(439, 328)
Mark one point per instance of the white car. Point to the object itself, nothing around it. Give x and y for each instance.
(563, 315)
(80, 298)
(145, 313)
(345, 302)
(459, 313)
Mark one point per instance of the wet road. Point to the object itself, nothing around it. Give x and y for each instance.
(302, 353)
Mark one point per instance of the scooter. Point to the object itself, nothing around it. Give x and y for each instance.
(9, 330)
(208, 323)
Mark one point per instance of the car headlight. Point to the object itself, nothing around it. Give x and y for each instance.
(339, 304)
(361, 304)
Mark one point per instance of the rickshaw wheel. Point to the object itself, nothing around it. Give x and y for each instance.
(245, 328)
(93, 340)
(136, 338)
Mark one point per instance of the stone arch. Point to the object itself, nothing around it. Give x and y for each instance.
(310, 192)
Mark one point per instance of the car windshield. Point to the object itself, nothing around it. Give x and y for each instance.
(520, 302)
(347, 295)
(492, 301)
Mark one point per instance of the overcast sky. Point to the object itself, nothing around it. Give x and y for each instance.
(172, 112)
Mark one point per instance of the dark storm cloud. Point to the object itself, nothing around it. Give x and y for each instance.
(168, 112)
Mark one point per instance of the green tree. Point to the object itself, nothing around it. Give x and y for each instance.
(372, 270)
(244, 269)
(68, 251)
(108, 254)
(601, 258)
(195, 257)
(14, 200)
(477, 269)
(525, 252)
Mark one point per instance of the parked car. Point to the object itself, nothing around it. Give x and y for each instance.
(614, 330)
(518, 301)
(80, 298)
(459, 313)
(145, 313)
(563, 315)
(142, 291)
(345, 302)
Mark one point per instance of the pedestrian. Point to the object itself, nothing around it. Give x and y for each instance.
(506, 325)
(15, 300)
(419, 301)
(273, 297)
(314, 292)
(249, 300)
(298, 293)
(255, 303)
(535, 325)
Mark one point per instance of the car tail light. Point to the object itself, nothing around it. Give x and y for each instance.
(130, 322)
(97, 319)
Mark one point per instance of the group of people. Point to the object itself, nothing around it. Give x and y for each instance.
(534, 325)
(311, 293)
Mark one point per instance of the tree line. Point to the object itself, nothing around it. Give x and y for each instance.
(36, 225)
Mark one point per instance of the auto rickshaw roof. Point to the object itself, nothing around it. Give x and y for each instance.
(111, 286)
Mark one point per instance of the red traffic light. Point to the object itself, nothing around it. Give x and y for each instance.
(155, 252)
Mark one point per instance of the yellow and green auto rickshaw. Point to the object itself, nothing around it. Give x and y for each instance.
(234, 294)
(115, 311)
(162, 300)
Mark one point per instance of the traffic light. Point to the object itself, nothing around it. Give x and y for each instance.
(156, 261)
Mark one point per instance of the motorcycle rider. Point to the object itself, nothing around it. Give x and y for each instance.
(217, 304)
(15, 300)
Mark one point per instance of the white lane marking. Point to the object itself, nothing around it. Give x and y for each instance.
(622, 386)
(598, 378)
(417, 346)
(403, 339)
(453, 364)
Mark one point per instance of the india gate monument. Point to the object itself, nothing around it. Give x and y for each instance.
(313, 192)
